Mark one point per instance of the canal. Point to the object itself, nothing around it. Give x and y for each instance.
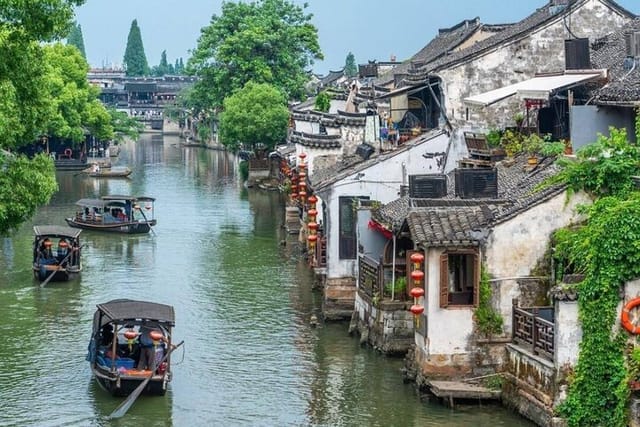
(242, 302)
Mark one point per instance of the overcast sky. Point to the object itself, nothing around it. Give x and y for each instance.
(371, 29)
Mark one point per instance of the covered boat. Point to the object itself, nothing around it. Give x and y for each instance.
(56, 253)
(129, 345)
(119, 214)
(112, 172)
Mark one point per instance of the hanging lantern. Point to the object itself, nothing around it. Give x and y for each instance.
(313, 226)
(312, 238)
(302, 175)
(303, 195)
(417, 310)
(302, 155)
(156, 336)
(417, 258)
(294, 195)
(417, 276)
(417, 292)
(302, 184)
(312, 200)
(130, 335)
(311, 213)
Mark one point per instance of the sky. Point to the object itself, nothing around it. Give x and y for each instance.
(370, 29)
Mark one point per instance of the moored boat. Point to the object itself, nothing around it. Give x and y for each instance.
(113, 172)
(129, 345)
(56, 253)
(118, 214)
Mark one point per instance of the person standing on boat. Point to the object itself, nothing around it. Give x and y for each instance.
(148, 347)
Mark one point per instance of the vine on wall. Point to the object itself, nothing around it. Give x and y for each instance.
(488, 320)
(607, 250)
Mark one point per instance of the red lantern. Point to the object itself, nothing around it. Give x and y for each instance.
(303, 195)
(302, 184)
(156, 335)
(294, 195)
(130, 334)
(417, 275)
(313, 226)
(302, 175)
(417, 309)
(311, 213)
(313, 199)
(302, 155)
(417, 292)
(417, 257)
(294, 188)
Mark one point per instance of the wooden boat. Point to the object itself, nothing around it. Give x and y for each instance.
(115, 346)
(56, 251)
(113, 172)
(118, 214)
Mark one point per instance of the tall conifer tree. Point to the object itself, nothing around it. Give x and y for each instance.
(135, 60)
(350, 67)
(75, 39)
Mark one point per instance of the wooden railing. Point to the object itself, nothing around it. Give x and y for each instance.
(369, 275)
(534, 329)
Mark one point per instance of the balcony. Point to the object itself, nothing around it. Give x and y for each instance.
(534, 330)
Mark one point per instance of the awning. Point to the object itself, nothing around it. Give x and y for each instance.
(539, 87)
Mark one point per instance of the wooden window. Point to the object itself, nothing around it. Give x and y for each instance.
(459, 278)
(347, 227)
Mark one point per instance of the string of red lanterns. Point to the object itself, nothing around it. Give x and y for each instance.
(417, 291)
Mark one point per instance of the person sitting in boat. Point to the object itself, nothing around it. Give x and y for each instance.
(63, 250)
(95, 168)
(45, 249)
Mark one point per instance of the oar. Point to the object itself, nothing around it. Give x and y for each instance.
(43, 284)
(145, 218)
(126, 404)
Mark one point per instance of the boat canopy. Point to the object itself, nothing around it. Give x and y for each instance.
(123, 310)
(92, 203)
(129, 198)
(56, 231)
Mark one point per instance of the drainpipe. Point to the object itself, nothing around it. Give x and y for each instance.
(393, 269)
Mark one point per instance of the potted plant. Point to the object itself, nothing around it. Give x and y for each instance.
(532, 145)
(398, 287)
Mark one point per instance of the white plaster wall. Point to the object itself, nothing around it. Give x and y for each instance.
(337, 104)
(312, 153)
(515, 246)
(381, 182)
(307, 127)
(448, 329)
(540, 52)
(568, 333)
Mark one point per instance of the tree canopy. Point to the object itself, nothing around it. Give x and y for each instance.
(266, 41)
(25, 102)
(75, 106)
(75, 39)
(254, 117)
(350, 67)
(135, 60)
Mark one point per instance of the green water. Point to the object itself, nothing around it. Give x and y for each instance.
(242, 302)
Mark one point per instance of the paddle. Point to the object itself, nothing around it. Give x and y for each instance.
(126, 404)
(43, 284)
(145, 218)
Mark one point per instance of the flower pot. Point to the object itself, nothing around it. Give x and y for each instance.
(532, 160)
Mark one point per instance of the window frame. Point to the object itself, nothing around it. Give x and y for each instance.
(444, 277)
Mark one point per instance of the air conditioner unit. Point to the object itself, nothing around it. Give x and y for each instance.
(365, 150)
(431, 186)
(476, 183)
(633, 44)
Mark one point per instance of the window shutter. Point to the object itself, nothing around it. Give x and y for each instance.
(444, 280)
(476, 280)
(410, 282)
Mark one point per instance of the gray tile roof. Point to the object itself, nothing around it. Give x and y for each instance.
(522, 29)
(624, 83)
(314, 140)
(349, 165)
(446, 40)
(465, 221)
(331, 77)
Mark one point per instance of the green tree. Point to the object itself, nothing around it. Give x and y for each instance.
(323, 102)
(266, 41)
(135, 60)
(26, 183)
(124, 125)
(350, 67)
(254, 117)
(75, 103)
(162, 68)
(75, 39)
